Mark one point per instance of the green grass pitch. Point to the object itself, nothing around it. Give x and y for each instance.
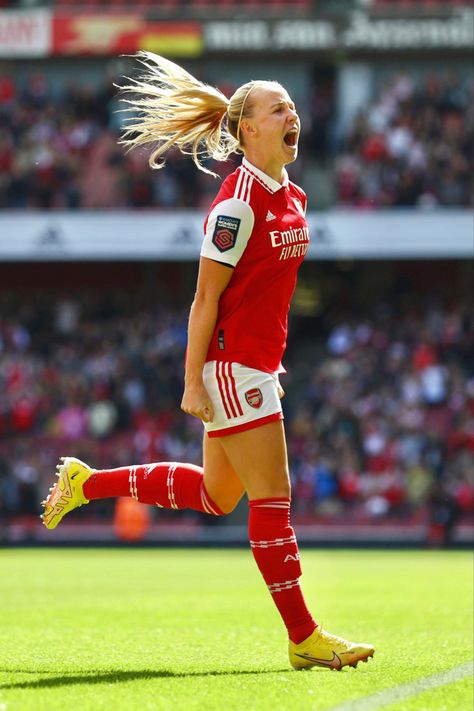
(139, 629)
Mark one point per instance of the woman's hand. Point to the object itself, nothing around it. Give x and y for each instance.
(196, 402)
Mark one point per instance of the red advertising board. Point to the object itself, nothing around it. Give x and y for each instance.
(106, 34)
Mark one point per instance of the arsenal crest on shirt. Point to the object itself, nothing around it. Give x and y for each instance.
(254, 397)
(299, 206)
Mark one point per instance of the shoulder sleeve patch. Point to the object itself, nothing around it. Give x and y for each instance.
(228, 229)
(225, 232)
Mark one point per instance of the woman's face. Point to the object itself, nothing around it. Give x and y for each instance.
(274, 124)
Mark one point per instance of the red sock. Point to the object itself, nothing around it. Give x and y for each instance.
(275, 551)
(166, 484)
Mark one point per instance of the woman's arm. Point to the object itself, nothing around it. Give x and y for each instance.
(212, 280)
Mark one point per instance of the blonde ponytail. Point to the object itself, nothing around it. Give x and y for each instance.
(176, 109)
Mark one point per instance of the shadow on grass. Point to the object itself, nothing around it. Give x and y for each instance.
(123, 676)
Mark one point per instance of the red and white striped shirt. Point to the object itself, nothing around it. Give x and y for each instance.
(257, 226)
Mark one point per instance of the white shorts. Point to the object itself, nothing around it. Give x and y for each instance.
(242, 397)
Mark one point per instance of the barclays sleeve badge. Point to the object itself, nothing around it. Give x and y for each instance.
(225, 232)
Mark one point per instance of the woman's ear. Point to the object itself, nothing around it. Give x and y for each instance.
(247, 128)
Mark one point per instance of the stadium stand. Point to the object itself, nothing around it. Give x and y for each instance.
(229, 9)
(415, 4)
(411, 147)
(380, 391)
(379, 409)
(221, 7)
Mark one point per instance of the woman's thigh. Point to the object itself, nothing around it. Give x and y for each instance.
(222, 483)
(259, 458)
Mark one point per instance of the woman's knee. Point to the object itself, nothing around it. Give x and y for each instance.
(276, 486)
(227, 504)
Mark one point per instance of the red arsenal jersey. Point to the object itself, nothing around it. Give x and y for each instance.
(257, 226)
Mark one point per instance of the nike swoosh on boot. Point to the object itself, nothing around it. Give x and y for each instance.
(323, 662)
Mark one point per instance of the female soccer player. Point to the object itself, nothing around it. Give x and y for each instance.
(256, 236)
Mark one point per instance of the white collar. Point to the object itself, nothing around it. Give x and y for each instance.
(268, 182)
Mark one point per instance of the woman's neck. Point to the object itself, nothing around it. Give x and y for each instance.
(271, 168)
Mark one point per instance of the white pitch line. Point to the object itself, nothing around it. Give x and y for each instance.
(404, 691)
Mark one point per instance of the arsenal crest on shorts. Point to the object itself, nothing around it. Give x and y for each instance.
(254, 397)
(225, 232)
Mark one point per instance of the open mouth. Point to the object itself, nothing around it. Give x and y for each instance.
(291, 137)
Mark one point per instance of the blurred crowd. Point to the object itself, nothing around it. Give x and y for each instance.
(60, 152)
(411, 148)
(386, 424)
(380, 420)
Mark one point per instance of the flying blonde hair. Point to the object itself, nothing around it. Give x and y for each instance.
(177, 110)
